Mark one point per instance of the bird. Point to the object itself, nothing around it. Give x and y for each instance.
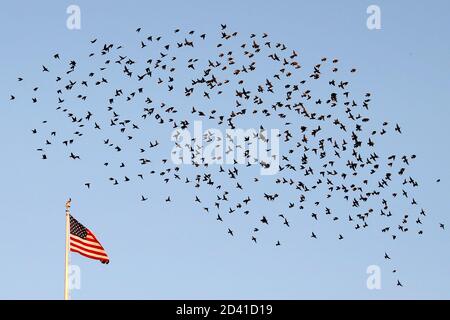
(73, 156)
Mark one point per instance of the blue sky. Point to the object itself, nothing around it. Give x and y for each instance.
(161, 251)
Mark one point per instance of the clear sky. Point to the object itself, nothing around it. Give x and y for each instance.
(161, 251)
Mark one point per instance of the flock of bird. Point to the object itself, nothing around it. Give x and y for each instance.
(328, 144)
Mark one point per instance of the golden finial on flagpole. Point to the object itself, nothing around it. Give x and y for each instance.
(68, 203)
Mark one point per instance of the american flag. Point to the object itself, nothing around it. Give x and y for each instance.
(83, 241)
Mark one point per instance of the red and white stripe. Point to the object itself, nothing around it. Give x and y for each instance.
(89, 247)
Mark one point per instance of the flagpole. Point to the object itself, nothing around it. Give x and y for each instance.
(66, 269)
